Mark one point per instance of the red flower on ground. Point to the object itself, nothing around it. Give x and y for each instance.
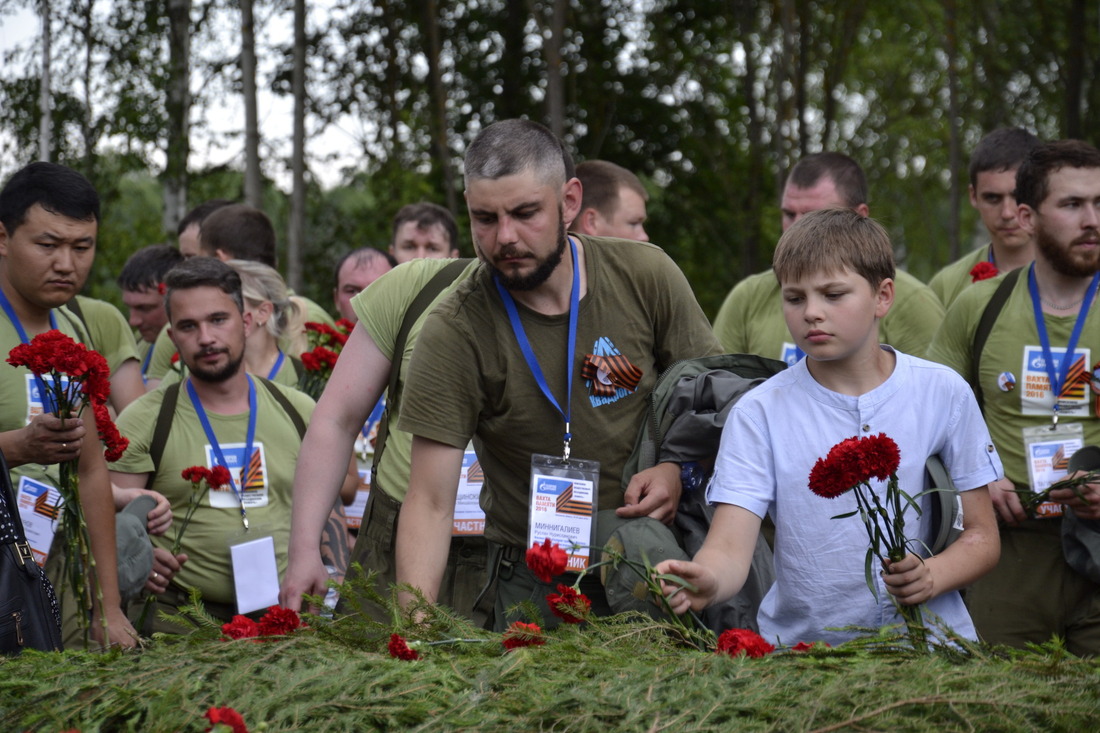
(804, 647)
(569, 604)
(983, 271)
(399, 649)
(546, 560)
(279, 621)
(227, 717)
(241, 627)
(736, 641)
(521, 634)
(219, 477)
(854, 461)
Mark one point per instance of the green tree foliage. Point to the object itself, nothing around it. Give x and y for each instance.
(709, 101)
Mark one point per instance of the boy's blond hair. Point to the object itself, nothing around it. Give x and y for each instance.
(830, 240)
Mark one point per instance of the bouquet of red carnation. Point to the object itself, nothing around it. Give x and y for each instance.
(850, 466)
(326, 342)
(71, 377)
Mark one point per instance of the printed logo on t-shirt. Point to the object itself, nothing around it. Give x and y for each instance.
(608, 374)
(791, 353)
(1036, 397)
(250, 477)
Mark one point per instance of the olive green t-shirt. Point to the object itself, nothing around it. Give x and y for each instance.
(956, 277)
(108, 331)
(217, 521)
(1013, 355)
(381, 309)
(469, 378)
(750, 320)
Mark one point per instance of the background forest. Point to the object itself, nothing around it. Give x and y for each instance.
(710, 101)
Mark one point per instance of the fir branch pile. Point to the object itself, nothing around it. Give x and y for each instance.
(624, 673)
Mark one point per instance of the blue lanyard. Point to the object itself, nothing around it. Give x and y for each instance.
(529, 354)
(375, 416)
(278, 365)
(10, 312)
(145, 363)
(1057, 377)
(216, 447)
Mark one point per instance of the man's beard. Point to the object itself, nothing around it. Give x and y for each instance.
(218, 375)
(541, 273)
(1063, 258)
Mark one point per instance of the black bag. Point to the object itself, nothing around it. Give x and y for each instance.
(29, 614)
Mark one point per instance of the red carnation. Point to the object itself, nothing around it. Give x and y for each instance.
(227, 717)
(196, 475)
(345, 325)
(162, 288)
(521, 634)
(736, 641)
(569, 604)
(880, 456)
(279, 621)
(983, 271)
(546, 560)
(114, 441)
(804, 647)
(219, 477)
(854, 461)
(175, 358)
(399, 649)
(241, 627)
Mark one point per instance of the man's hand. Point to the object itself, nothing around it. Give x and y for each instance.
(304, 576)
(46, 439)
(654, 492)
(1006, 502)
(1089, 508)
(165, 567)
(159, 518)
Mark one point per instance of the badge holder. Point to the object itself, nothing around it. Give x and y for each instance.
(255, 572)
(1048, 449)
(564, 497)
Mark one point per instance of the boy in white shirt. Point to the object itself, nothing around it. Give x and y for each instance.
(836, 272)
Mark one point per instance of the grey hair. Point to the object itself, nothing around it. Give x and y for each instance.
(509, 147)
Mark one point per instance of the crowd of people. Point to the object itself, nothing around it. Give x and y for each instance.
(522, 376)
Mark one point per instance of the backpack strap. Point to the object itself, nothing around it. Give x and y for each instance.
(168, 412)
(420, 303)
(981, 334)
(161, 429)
(288, 408)
(299, 368)
(72, 308)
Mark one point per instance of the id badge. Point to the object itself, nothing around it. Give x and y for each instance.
(1048, 449)
(39, 506)
(563, 505)
(255, 573)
